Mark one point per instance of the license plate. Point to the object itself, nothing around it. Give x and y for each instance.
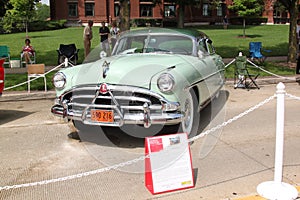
(102, 115)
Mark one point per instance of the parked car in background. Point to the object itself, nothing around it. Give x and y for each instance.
(154, 76)
(1, 75)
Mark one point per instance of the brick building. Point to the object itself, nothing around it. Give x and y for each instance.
(80, 11)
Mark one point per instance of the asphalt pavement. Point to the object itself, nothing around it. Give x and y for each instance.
(238, 152)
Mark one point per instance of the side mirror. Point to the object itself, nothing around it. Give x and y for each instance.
(209, 41)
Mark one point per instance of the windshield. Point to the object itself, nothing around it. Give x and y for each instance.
(155, 44)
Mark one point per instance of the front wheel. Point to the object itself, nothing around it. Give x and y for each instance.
(190, 123)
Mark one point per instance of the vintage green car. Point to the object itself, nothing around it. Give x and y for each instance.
(154, 76)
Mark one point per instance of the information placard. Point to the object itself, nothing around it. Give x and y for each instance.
(168, 166)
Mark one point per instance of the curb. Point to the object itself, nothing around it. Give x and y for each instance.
(25, 96)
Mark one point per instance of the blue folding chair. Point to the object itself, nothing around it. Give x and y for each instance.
(255, 49)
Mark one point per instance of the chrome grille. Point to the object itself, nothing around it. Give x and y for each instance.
(121, 99)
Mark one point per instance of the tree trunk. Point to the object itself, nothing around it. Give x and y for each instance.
(292, 53)
(124, 15)
(181, 16)
(244, 27)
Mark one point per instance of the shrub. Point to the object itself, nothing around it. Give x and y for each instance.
(144, 22)
(48, 25)
(169, 23)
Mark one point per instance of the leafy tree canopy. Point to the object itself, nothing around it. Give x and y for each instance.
(42, 12)
(247, 8)
(4, 5)
(18, 14)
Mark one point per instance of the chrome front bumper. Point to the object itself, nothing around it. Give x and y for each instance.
(146, 118)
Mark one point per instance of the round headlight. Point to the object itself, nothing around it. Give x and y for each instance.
(165, 82)
(59, 80)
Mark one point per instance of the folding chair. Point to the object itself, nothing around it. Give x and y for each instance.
(67, 51)
(36, 71)
(255, 49)
(242, 77)
(32, 59)
(4, 53)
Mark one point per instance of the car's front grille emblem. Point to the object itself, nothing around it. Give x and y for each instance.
(103, 88)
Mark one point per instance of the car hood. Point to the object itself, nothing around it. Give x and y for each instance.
(135, 69)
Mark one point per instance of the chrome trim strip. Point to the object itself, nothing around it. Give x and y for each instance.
(203, 79)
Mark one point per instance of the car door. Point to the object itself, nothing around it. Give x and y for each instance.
(210, 68)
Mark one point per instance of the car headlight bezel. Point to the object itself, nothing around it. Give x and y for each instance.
(59, 80)
(166, 82)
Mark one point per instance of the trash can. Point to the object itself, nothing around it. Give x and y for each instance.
(15, 63)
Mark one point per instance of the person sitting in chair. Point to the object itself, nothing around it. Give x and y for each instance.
(27, 51)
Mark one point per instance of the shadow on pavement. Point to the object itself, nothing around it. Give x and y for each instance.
(11, 115)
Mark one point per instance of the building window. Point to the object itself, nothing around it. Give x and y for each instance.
(117, 9)
(206, 10)
(219, 11)
(89, 9)
(169, 11)
(146, 10)
(72, 10)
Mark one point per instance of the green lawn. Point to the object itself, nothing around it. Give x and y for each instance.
(228, 44)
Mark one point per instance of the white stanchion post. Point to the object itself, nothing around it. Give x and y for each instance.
(277, 190)
(66, 62)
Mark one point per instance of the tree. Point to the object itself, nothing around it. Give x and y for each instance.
(292, 6)
(42, 12)
(20, 14)
(247, 9)
(4, 5)
(124, 15)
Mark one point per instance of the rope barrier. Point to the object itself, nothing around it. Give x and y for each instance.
(26, 82)
(229, 63)
(286, 78)
(44, 182)
(101, 170)
(262, 69)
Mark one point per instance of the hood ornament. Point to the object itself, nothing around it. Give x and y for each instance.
(105, 67)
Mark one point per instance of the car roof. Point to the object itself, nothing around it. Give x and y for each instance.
(154, 30)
